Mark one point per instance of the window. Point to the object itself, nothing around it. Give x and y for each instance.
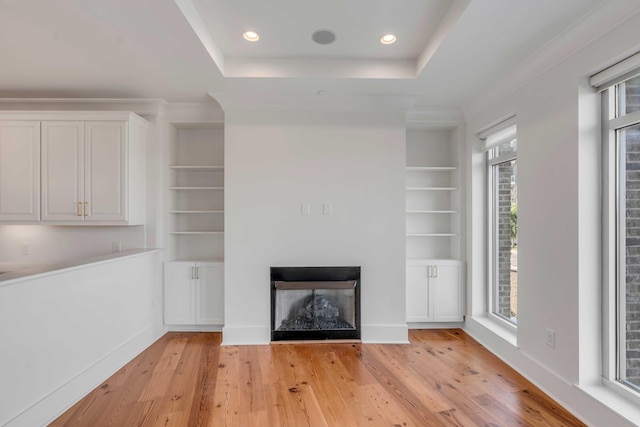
(502, 201)
(621, 236)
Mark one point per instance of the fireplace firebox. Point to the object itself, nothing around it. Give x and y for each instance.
(315, 303)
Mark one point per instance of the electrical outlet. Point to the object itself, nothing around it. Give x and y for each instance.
(26, 248)
(116, 247)
(551, 338)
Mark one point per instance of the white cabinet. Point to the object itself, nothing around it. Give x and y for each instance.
(93, 172)
(434, 285)
(19, 171)
(194, 293)
(434, 291)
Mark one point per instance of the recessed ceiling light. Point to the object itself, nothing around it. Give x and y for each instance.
(388, 39)
(251, 36)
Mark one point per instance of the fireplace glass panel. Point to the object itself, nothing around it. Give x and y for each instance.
(314, 307)
(315, 303)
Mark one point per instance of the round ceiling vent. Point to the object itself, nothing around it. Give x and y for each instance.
(323, 36)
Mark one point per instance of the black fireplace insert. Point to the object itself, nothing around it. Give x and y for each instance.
(315, 303)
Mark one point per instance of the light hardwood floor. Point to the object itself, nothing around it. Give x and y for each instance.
(443, 378)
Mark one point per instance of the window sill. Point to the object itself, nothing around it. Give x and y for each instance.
(626, 409)
(501, 328)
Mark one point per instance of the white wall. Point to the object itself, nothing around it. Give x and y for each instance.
(49, 243)
(65, 332)
(558, 223)
(274, 161)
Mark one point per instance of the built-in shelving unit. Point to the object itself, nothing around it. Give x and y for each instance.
(196, 193)
(432, 195)
(435, 273)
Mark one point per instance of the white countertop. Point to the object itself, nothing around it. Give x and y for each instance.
(21, 270)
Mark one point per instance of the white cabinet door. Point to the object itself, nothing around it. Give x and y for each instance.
(447, 293)
(418, 307)
(93, 172)
(63, 171)
(210, 293)
(434, 291)
(179, 293)
(193, 293)
(105, 175)
(19, 171)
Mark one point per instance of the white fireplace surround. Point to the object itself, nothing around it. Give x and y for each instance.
(277, 161)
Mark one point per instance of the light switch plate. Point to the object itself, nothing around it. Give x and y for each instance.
(305, 208)
(327, 209)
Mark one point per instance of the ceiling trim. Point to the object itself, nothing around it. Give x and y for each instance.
(320, 67)
(320, 101)
(595, 25)
(304, 67)
(200, 28)
(434, 117)
(185, 113)
(141, 106)
(444, 27)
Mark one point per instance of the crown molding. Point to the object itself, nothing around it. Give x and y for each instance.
(140, 106)
(434, 117)
(193, 113)
(319, 101)
(605, 18)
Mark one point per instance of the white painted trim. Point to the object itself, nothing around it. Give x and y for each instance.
(245, 335)
(586, 402)
(55, 403)
(320, 68)
(435, 325)
(64, 267)
(616, 73)
(71, 115)
(609, 15)
(141, 106)
(184, 113)
(501, 328)
(385, 334)
(194, 328)
(445, 26)
(434, 117)
(319, 101)
(200, 28)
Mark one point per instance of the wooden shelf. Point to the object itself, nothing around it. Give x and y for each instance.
(196, 168)
(196, 188)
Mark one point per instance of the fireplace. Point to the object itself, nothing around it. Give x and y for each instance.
(315, 303)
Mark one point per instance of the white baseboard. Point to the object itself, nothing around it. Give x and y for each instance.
(246, 335)
(194, 328)
(385, 334)
(55, 403)
(435, 325)
(571, 396)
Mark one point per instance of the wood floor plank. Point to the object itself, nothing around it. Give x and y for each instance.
(442, 378)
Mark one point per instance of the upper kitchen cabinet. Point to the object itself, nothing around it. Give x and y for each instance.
(93, 171)
(19, 171)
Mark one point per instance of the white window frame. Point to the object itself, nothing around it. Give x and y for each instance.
(613, 246)
(493, 137)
